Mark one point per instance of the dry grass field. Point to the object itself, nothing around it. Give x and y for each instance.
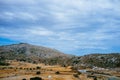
(23, 70)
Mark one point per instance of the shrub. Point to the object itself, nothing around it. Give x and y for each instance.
(33, 68)
(30, 68)
(10, 67)
(79, 73)
(50, 69)
(57, 72)
(24, 79)
(95, 78)
(20, 68)
(75, 75)
(36, 78)
(4, 63)
(38, 67)
(38, 72)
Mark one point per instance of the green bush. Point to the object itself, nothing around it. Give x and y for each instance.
(38, 67)
(38, 72)
(36, 78)
(79, 73)
(57, 72)
(4, 63)
(30, 68)
(75, 75)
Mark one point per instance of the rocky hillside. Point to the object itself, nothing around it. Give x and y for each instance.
(36, 54)
(111, 60)
(24, 51)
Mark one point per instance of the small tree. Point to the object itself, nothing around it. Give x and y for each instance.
(20, 68)
(78, 72)
(57, 72)
(38, 67)
(24, 79)
(38, 72)
(33, 68)
(76, 75)
(36, 78)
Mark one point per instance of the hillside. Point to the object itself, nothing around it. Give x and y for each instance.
(38, 54)
(28, 52)
(111, 60)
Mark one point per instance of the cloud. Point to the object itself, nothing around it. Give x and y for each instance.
(39, 31)
(15, 15)
(70, 26)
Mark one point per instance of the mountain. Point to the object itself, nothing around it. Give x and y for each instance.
(24, 51)
(39, 54)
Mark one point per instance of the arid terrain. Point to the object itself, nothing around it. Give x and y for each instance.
(21, 70)
(25, 61)
(24, 71)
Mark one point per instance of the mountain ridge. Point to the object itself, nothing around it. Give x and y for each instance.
(28, 49)
(40, 54)
(29, 53)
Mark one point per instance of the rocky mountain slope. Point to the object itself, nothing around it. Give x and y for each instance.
(36, 54)
(24, 51)
(111, 60)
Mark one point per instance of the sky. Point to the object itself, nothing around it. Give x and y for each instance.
(75, 27)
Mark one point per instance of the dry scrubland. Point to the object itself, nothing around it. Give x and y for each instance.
(23, 70)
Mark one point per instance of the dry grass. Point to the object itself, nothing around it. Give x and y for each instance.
(21, 70)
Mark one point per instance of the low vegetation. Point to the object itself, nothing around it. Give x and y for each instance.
(57, 72)
(38, 72)
(76, 75)
(15, 61)
(39, 54)
(36, 78)
(38, 67)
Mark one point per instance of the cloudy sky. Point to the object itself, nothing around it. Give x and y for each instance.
(72, 26)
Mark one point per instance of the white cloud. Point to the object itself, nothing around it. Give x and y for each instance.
(63, 24)
(39, 31)
(18, 15)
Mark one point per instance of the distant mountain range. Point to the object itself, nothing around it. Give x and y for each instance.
(36, 54)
